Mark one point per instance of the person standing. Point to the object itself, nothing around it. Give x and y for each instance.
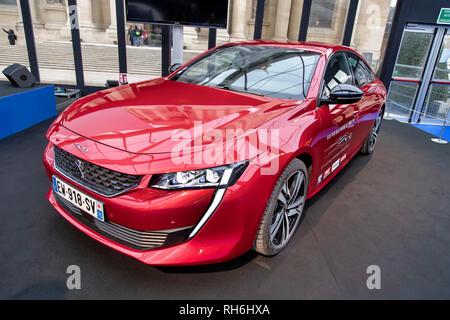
(130, 34)
(11, 36)
(138, 35)
(143, 37)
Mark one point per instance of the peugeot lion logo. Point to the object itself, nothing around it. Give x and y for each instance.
(80, 167)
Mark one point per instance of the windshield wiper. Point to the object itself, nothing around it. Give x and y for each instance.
(239, 90)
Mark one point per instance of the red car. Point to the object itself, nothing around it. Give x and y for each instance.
(217, 158)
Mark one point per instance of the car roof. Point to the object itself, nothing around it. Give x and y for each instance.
(319, 47)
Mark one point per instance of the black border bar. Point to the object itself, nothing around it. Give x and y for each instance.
(121, 38)
(76, 42)
(212, 37)
(259, 17)
(29, 38)
(306, 11)
(349, 24)
(166, 44)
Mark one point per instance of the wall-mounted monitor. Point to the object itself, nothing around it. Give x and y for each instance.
(202, 13)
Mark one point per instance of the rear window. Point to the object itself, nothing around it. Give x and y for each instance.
(361, 71)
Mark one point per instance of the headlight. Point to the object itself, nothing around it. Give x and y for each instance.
(222, 176)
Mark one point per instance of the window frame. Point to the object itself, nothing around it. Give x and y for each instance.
(322, 82)
(331, 20)
(372, 78)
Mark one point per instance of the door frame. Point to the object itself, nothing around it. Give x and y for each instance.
(440, 32)
(425, 80)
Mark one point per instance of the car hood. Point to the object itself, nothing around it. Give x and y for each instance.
(145, 117)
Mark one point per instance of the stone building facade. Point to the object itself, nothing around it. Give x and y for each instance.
(281, 22)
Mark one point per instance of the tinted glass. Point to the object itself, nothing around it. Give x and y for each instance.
(400, 99)
(413, 54)
(442, 69)
(269, 71)
(338, 72)
(192, 12)
(360, 70)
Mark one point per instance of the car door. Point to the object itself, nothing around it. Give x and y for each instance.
(337, 120)
(368, 106)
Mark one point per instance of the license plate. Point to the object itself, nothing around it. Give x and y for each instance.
(78, 198)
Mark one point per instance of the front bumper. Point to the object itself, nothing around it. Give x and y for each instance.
(228, 233)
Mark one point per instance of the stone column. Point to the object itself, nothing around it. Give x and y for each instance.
(295, 19)
(238, 20)
(112, 29)
(222, 36)
(19, 15)
(55, 17)
(35, 14)
(90, 16)
(36, 17)
(85, 14)
(282, 20)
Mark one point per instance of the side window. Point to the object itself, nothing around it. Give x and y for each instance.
(362, 73)
(338, 72)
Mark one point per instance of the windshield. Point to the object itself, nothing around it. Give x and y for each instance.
(263, 70)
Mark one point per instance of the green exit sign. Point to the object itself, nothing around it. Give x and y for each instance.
(444, 16)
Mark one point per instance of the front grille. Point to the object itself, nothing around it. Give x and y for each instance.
(140, 240)
(103, 181)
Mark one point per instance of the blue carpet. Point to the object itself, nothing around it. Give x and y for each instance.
(434, 130)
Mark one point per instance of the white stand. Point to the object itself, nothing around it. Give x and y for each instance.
(387, 116)
(440, 140)
(177, 36)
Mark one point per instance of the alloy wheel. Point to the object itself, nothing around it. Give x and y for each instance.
(288, 209)
(375, 130)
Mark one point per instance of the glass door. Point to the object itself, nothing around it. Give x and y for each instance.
(409, 70)
(419, 91)
(437, 102)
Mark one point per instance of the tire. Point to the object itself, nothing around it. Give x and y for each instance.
(293, 210)
(372, 138)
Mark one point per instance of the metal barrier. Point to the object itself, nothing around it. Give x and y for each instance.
(439, 140)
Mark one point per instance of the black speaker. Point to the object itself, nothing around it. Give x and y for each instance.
(19, 76)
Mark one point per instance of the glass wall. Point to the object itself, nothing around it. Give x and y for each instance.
(13, 47)
(401, 99)
(52, 23)
(437, 102)
(420, 87)
(413, 53)
(442, 70)
(143, 51)
(371, 30)
(98, 33)
(408, 71)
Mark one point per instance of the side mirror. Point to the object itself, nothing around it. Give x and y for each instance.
(343, 94)
(174, 67)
